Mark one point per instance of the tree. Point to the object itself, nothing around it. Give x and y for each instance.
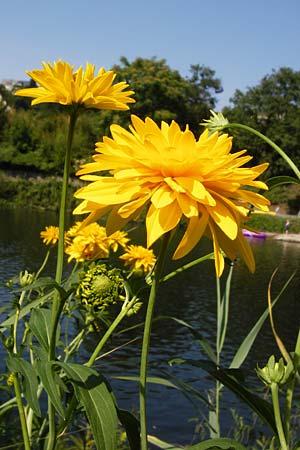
(163, 94)
(272, 108)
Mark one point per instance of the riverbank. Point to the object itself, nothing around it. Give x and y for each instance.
(290, 237)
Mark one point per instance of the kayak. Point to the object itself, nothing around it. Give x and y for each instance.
(252, 234)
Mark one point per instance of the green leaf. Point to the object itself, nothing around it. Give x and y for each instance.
(45, 370)
(277, 181)
(132, 428)
(247, 343)
(231, 378)
(30, 381)
(26, 310)
(40, 325)
(42, 283)
(218, 443)
(93, 394)
(162, 444)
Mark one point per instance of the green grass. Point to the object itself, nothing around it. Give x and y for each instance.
(273, 224)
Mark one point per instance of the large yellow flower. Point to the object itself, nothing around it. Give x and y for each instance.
(60, 84)
(177, 177)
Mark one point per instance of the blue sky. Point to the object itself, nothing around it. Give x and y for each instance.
(242, 40)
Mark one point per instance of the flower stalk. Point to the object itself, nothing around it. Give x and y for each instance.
(57, 305)
(268, 141)
(146, 341)
(276, 407)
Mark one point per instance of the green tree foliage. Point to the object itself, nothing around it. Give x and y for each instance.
(163, 94)
(272, 107)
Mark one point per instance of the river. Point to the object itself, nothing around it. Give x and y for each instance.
(191, 298)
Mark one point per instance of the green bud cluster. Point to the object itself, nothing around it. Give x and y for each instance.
(275, 372)
(100, 287)
(26, 278)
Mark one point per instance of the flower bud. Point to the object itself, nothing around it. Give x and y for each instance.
(275, 372)
(26, 278)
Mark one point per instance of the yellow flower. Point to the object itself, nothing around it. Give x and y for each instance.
(50, 235)
(88, 242)
(118, 238)
(175, 176)
(139, 258)
(58, 83)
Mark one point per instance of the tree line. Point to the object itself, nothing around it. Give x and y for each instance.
(33, 138)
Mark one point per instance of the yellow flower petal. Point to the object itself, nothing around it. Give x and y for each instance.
(193, 234)
(160, 221)
(224, 219)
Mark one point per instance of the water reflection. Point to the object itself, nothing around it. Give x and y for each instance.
(193, 299)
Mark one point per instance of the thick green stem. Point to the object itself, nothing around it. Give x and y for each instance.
(268, 141)
(276, 407)
(146, 342)
(21, 412)
(57, 305)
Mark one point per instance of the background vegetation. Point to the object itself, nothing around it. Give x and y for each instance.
(32, 139)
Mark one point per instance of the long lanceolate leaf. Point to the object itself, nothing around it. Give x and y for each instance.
(227, 377)
(247, 343)
(45, 371)
(97, 401)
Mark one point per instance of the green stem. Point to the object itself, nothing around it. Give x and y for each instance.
(146, 341)
(15, 326)
(57, 305)
(186, 267)
(21, 412)
(276, 407)
(43, 265)
(268, 141)
(290, 390)
(110, 330)
(62, 220)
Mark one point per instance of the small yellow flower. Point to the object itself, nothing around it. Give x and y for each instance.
(50, 235)
(88, 242)
(139, 258)
(118, 238)
(174, 176)
(58, 83)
